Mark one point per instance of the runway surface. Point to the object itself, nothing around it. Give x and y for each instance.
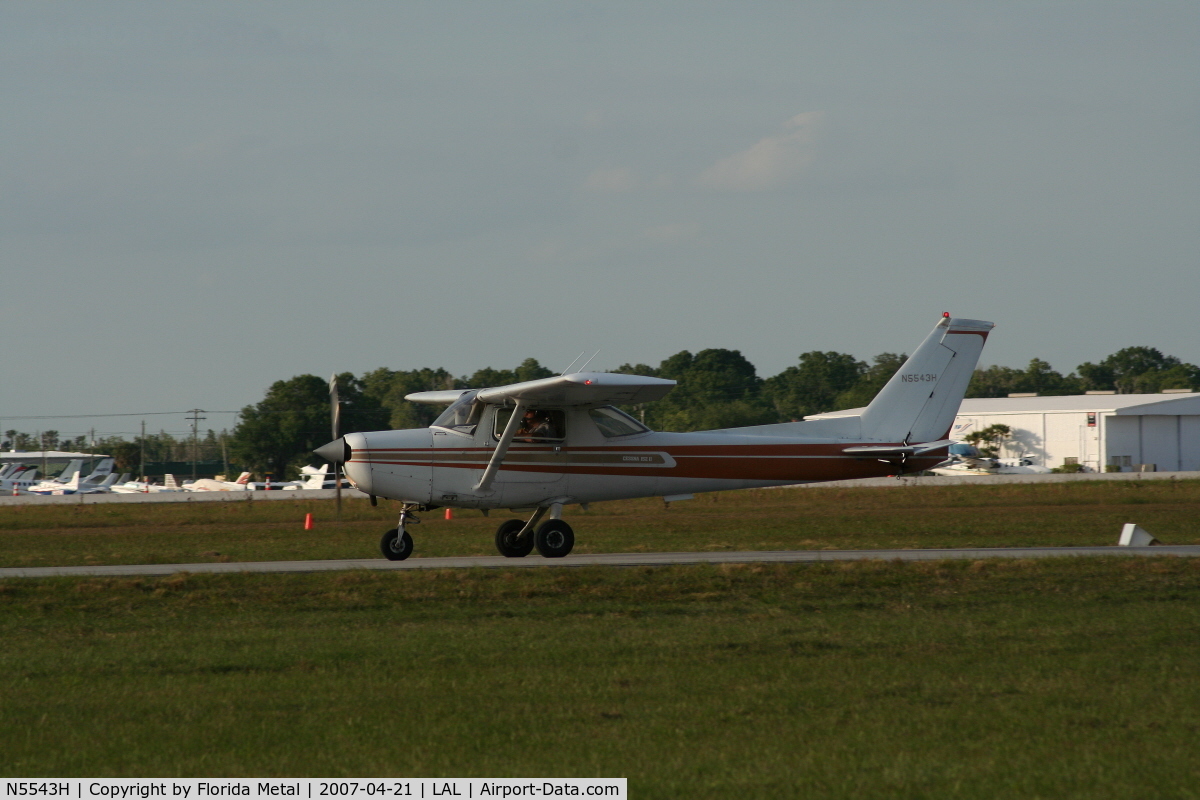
(603, 559)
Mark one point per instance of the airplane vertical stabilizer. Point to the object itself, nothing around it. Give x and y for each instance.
(921, 400)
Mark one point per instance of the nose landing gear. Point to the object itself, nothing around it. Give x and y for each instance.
(396, 544)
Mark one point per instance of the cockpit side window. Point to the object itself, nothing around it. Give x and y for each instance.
(536, 425)
(461, 415)
(614, 422)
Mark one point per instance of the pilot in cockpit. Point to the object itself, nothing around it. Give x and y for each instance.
(536, 425)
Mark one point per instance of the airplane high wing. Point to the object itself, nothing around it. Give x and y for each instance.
(579, 389)
(548, 443)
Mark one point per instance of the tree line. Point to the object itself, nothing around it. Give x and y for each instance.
(154, 447)
(717, 388)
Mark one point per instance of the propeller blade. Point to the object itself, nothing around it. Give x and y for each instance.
(335, 405)
(336, 418)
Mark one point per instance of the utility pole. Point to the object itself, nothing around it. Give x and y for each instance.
(142, 466)
(195, 418)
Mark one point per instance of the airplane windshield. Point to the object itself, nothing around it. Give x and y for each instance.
(458, 415)
(614, 422)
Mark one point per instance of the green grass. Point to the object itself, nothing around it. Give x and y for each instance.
(1056, 678)
(1059, 678)
(1075, 513)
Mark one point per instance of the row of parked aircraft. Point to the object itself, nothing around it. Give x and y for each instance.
(16, 478)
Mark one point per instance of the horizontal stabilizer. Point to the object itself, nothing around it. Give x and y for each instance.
(888, 451)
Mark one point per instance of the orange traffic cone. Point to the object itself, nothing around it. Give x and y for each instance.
(449, 513)
(308, 525)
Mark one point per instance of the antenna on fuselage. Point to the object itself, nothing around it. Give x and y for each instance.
(568, 369)
(581, 369)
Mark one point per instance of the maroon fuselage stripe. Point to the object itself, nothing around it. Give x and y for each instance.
(728, 462)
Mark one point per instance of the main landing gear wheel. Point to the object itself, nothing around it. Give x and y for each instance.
(509, 544)
(396, 547)
(554, 538)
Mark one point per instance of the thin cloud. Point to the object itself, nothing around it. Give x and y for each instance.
(615, 179)
(771, 163)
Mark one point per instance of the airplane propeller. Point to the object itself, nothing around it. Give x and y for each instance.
(335, 414)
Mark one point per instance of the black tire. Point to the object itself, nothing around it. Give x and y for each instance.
(507, 542)
(554, 538)
(396, 548)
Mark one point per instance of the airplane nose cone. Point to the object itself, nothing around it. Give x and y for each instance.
(337, 451)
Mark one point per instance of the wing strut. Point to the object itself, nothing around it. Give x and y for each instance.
(506, 438)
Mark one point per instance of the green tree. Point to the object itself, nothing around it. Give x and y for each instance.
(126, 454)
(1133, 370)
(868, 385)
(387, 389)
(529, 370)
(717, 388)
(990, 439)
(1039, 377)
(814, 385)
(277, 435)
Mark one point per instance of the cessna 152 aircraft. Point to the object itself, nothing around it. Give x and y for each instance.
(547, 443)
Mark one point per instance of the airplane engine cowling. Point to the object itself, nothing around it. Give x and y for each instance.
(392, 464)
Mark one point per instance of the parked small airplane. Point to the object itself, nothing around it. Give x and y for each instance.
(69, 473)
(313, 478)
(145, 487)
(547, 443)
(11, 469)
(214, 485)
(98, 482)
(965, 459)
(16, 478)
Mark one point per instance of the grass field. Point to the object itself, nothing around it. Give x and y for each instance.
(1036, 679)
(1085, 513)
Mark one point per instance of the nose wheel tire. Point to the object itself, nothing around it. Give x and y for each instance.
(554, 538)
(396, 547)
(507, 542)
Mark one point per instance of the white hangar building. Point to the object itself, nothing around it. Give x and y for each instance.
(1136, 432)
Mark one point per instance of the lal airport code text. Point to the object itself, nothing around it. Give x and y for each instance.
(196, 789)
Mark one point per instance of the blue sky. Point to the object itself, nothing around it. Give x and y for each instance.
(198, 199)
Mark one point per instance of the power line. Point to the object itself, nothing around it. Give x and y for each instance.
(90, 416)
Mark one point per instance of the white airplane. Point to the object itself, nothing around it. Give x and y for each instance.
(11, 469)
(69, 474)
(214, 485)
(313, 478)
(145, 487)
(547, 443)
(99, 482)
(965, 459)
(16, 478)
